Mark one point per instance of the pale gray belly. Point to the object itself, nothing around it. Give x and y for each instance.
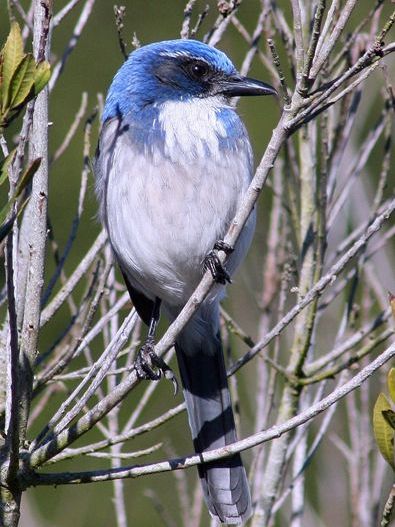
(164, 219)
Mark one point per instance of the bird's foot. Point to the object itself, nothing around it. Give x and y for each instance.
(150, 367)
(213, 264)
(220, 245)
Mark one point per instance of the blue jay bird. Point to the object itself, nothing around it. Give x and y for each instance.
(172, 165)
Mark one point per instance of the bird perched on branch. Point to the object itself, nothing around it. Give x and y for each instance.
(172, 165)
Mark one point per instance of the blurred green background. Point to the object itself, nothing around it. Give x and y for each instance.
(90, 69)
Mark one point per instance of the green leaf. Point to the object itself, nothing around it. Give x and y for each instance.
(12, 55)
(391, 383)
(389, 416)
(5, 211)
(27, 176)
(6, 227)
(5, 163)
(383, 432)
(22, 82)
(23, 182)
(41, 76)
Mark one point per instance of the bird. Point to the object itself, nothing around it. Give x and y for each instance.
(172, 164)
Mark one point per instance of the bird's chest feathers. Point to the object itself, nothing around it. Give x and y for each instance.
(168, 204)
(191, 129)
(191, 176)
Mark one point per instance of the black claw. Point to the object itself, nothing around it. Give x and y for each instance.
(150, 367)
(213, 264)
(220, 245)
(169, 375)
(145, 362)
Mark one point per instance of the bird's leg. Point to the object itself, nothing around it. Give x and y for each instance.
(147, 364)
(213, 264)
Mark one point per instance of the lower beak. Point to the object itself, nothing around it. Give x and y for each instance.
(236, 86)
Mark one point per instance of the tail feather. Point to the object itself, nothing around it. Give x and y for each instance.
(207, 397)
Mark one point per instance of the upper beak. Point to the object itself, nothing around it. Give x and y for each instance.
(238, 85)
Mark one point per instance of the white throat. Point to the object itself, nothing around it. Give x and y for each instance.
(192, 128)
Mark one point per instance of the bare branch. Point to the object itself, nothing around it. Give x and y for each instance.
(82, 20)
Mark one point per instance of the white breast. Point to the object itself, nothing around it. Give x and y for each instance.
(165, 211)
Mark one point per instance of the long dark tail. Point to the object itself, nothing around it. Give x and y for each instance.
(207, 397)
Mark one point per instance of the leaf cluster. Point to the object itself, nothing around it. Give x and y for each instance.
(21, 77)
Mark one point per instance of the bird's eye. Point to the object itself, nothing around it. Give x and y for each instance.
(198, 70)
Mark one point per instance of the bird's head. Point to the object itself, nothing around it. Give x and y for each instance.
(176, 70)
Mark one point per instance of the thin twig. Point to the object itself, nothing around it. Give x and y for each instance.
(228, 10)
(13, 387)
(72, 130)
(78, 273)
(57, 19)
(81, 22)
(298, 34)
(305, 79)
(330, 43)
(127, 455)
(388, 508)
(119, 12)
(188, 9)
(281, 76)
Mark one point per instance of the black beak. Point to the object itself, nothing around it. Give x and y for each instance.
(238, 85)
